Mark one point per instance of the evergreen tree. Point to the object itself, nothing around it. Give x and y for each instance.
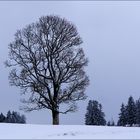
(122, 116)
(138, 112)
(8, 117)
(23, 119)
(131, 111)
(88, 116)
(17, 118)
(2, 118)
(112, 123)
(102, 120)
(94, 115)
(108, 123)
(14, 117)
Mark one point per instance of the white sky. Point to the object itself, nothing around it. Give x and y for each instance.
(111, 35)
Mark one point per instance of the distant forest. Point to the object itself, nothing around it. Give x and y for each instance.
(12, 117)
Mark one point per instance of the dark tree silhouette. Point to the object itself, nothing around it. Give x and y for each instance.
(108, 123)
(94, 114)
(131, 111)
(14, 117)
(2, 118)
(122, 116)
(48, 64)
(138, 112)
(111, 123)
(8, 117)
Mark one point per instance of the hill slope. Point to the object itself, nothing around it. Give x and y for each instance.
(30, 131)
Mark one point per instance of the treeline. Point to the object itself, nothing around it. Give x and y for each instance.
(129, 114)
(12, 117)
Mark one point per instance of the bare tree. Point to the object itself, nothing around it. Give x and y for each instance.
(48, 65)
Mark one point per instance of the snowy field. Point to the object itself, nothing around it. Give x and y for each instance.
(28, 131)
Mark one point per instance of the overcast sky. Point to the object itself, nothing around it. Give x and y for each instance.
(111, 35)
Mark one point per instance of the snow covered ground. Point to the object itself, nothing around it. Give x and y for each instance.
(30, 131)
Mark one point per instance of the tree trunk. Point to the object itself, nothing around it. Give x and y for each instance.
(55, 118)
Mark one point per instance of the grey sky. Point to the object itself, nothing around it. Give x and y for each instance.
(111, 35)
